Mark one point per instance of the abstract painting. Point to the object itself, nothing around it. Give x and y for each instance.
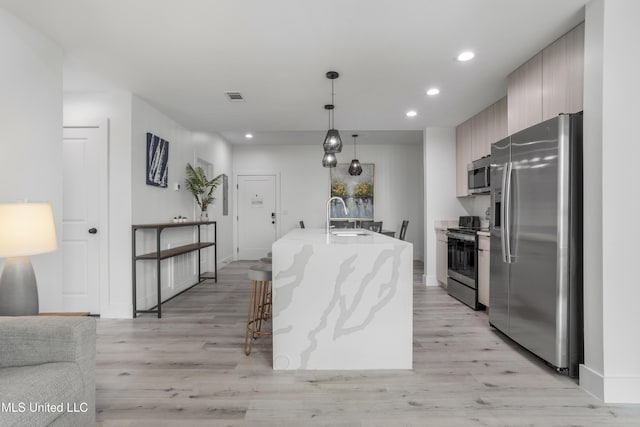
(356, 191)
(157, 161)
(225, 195)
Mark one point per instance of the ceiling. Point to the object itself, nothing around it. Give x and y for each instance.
(182, 55)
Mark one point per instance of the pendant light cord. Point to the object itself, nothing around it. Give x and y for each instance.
(333, 120)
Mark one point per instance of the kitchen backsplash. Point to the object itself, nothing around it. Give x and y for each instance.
(477, 205)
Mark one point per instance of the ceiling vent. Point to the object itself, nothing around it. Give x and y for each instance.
(234, 96)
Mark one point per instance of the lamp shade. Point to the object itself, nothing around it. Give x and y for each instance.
(26, 229)
(329, 160)
(355, 168)
(332, 142)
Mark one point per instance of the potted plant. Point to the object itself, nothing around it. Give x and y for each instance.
(202, 188)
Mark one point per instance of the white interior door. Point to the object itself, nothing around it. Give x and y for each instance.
(256, 215)
(84, 196)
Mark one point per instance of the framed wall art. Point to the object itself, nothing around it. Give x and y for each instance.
(356, 191)
(157, 161)
(225, 195)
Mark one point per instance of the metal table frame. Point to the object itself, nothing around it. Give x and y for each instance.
(159, 255)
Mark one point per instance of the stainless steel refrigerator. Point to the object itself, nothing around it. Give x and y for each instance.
(536, 240)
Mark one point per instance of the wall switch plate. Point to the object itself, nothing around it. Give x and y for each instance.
(176, 186)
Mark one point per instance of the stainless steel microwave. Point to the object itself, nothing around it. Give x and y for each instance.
(478, 176)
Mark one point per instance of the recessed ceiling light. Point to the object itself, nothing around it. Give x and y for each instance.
(465, 56)
(433, 91)
(411, 113)
(249, 136)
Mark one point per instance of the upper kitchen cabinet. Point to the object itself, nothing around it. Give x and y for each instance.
(463, 156)
(498, 119)
(474, 138)
(524, 89)
(488, 126)
(480, 128)
(548, 84)
(563, 74)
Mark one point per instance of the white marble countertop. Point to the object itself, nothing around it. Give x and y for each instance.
(318, 236)
(342, 302)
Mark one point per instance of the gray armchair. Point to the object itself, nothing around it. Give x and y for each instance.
(47, 371)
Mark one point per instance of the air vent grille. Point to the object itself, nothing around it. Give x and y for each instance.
(234, 96)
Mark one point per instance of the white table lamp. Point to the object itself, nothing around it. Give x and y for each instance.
(25, 229)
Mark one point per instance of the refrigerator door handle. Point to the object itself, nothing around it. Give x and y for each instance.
(487, 174)
(502, 212)
(506, 228)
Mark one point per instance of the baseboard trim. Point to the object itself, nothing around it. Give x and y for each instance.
(610, 389)
(223, 262)
(117, 311)
(430, 280)
(591, 382)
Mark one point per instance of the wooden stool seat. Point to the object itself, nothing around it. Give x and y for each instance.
(259, 303)
(266, 259)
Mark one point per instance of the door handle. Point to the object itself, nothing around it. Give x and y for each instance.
(502, 210)
(506, 228)
(93, 230)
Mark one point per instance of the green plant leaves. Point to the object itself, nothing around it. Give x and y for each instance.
(200, 186)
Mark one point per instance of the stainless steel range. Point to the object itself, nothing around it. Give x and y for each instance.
(462, 270)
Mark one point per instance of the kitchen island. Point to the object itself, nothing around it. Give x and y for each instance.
(342, 301)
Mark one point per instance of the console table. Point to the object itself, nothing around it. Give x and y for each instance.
(158, 255)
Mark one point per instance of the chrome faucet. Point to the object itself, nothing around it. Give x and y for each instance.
(346, 211)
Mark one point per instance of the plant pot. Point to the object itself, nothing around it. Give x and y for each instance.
(204, 216)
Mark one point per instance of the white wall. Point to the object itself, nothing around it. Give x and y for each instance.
(398, 189)
(219, 152)
(152, 204)
(611, 152)
(477, 206)
(132, 201)
(31, 136)
(115, 106)
(592, 153)
(440, 202)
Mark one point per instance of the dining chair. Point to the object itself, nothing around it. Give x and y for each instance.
(372, 225)
(403, 229)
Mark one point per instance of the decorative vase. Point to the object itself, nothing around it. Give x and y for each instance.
(204, 216)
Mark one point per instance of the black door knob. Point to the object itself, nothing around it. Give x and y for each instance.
(93, 230)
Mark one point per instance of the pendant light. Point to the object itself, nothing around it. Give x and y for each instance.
(329, 160)
(355, 168)
(332, 142)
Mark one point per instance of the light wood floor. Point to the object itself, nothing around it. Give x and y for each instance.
(188, 369)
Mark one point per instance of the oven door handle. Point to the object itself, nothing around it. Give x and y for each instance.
(464, 237)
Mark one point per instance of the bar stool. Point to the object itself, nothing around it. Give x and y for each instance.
(267, 259)
(259, 303)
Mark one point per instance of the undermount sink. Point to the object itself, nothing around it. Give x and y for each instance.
(348, 233)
